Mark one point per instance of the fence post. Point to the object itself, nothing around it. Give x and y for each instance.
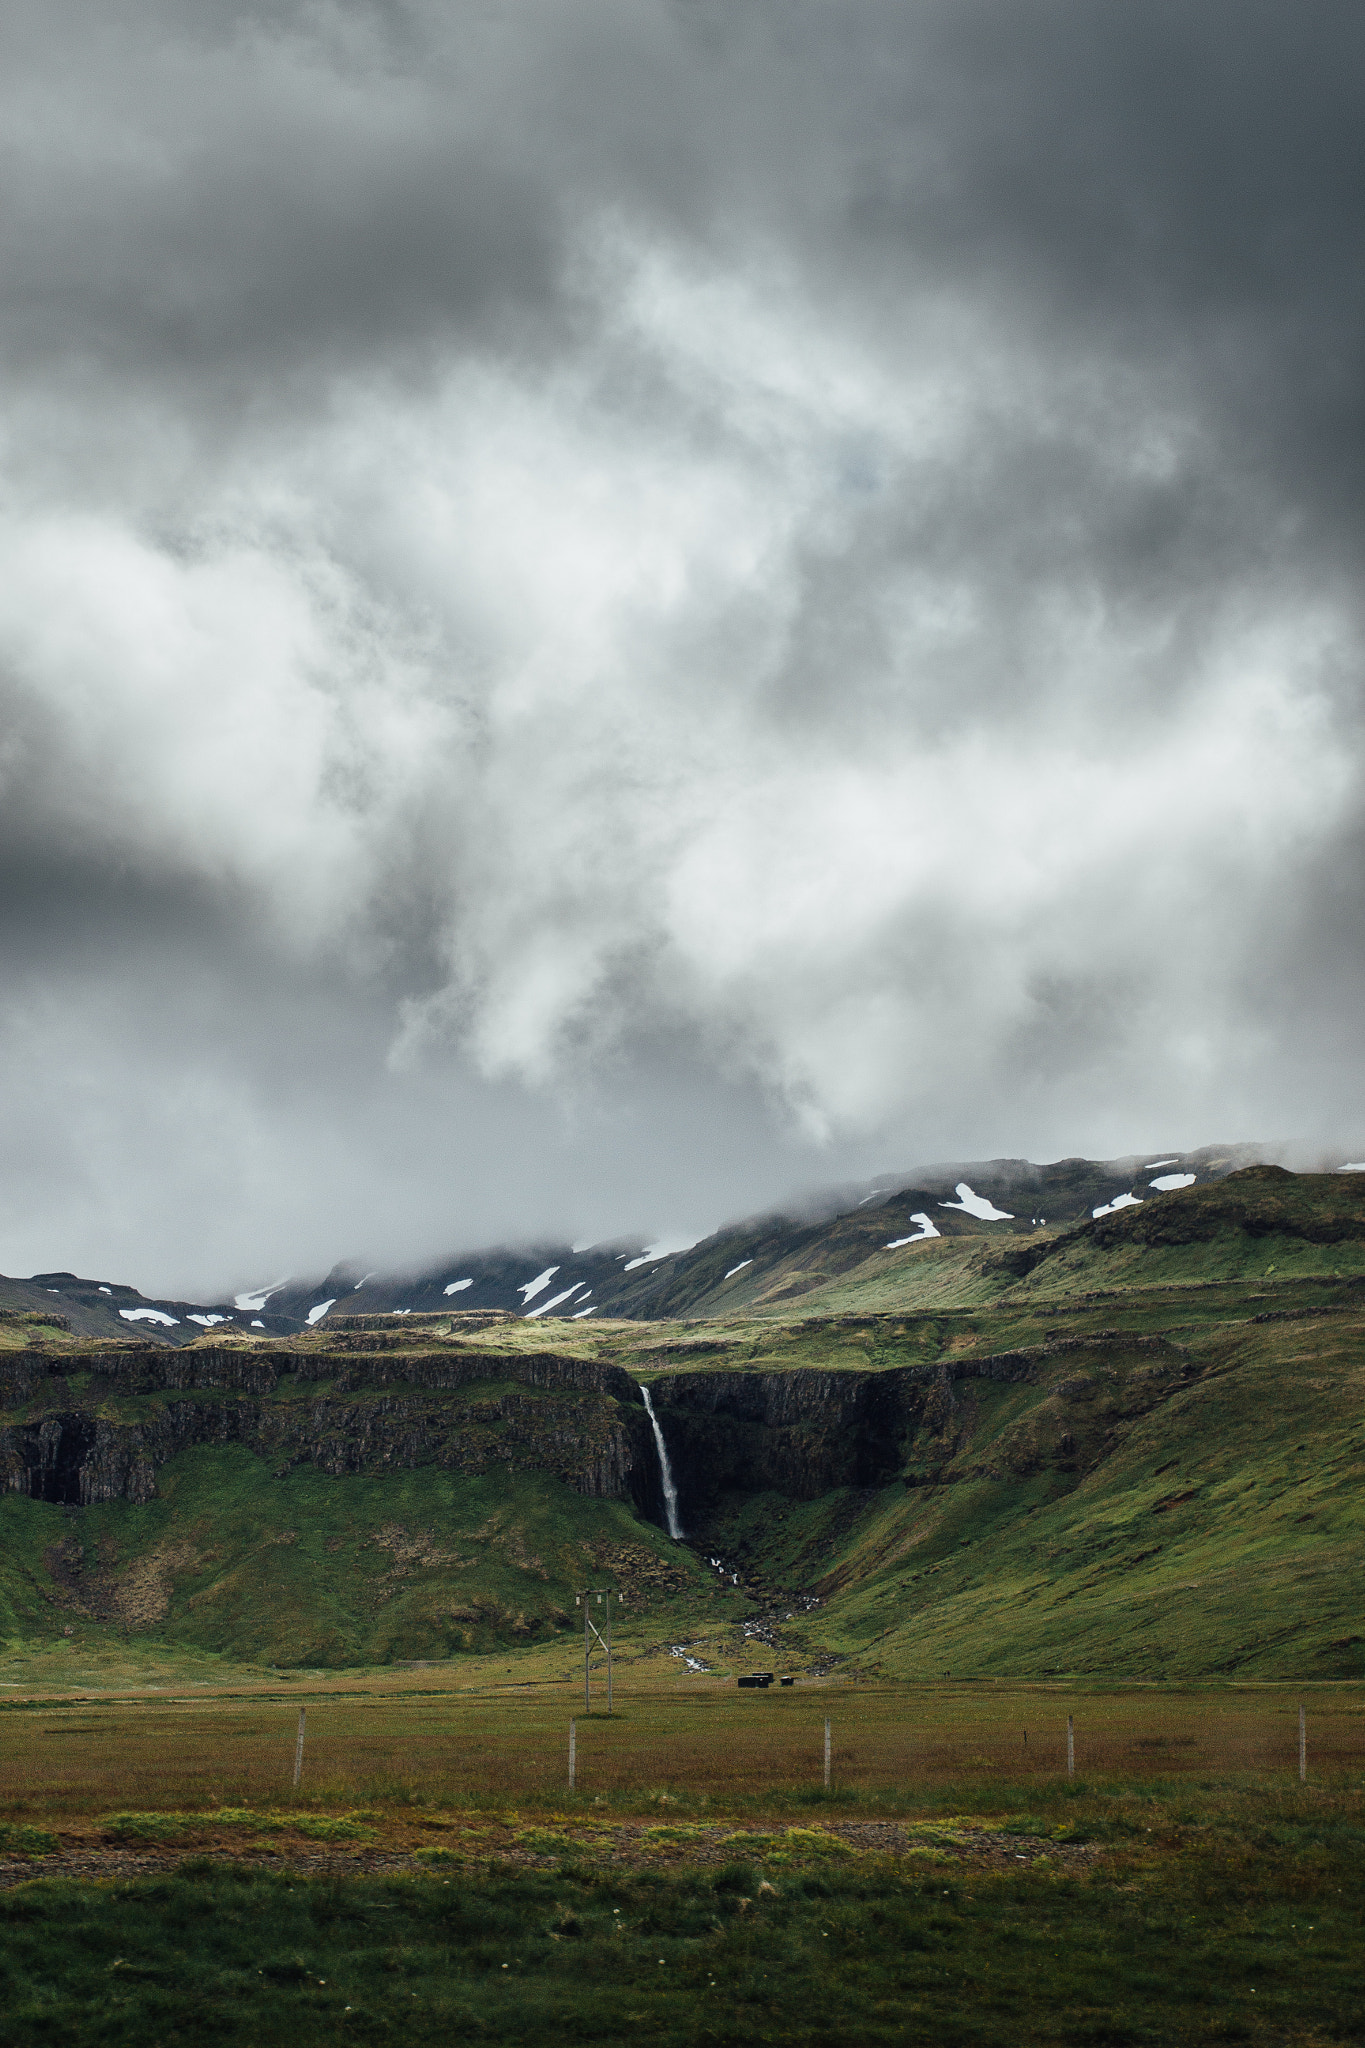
(298, 1752)
(1303, 1748)
(1070, 1747)
(573, 1751)
(826, 1756)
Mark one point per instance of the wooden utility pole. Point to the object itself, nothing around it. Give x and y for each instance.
(298, 1752)
(827, 1756)
(599, 1596)
(1070, 1747)
(1303, 1748)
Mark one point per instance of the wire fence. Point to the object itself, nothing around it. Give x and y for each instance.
(707, 1739)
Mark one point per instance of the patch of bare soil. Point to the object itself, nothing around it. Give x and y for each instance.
(141, 1597)
(137, 1598)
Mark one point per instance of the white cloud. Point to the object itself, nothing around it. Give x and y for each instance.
(611, 607)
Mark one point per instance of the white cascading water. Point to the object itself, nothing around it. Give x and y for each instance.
(665, 1472)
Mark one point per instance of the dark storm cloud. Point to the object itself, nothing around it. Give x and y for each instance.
(555, 552)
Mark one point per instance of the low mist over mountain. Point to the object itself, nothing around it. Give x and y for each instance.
(760, 1264)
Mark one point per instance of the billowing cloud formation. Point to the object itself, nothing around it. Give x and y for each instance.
(555, 552)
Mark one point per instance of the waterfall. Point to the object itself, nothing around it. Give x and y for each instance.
(675, 1528)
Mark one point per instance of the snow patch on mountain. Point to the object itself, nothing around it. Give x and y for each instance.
(258, 1296)
(555, 1300)
(977, 1205)
(926, 1229)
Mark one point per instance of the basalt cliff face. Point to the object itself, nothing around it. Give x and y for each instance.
(806, 1432)
(97, 1426)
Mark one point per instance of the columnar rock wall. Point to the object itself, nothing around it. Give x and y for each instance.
(805, 1432)
(97, 1426)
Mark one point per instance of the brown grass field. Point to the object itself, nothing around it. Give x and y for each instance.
(161, 1881)
(429, 1738)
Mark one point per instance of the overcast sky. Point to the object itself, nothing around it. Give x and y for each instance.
(608, 610)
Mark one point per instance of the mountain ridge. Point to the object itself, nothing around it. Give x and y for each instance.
(1144, 1456)
(755, 1263)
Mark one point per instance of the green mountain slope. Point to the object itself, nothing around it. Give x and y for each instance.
(1259, 1223)
(859, 1257)
(1135, 1448)
(1255, 1224)
(302, 1567)
(1138, 1507)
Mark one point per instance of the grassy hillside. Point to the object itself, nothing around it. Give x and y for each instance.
(304, 1568)
(1115, 1516)
(1165, 1477)
(782, 1264)
(1257, 1223)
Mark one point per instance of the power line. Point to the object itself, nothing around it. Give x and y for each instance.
(601, 1596)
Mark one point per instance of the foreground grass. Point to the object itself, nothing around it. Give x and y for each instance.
(1229, 1928)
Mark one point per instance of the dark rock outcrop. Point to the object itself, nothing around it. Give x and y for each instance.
(805, 1432)
(103, 1434)
(98, 1425)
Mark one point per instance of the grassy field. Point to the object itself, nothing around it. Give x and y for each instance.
(433, 1878)
(1254, 1938)
(452, 1735)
